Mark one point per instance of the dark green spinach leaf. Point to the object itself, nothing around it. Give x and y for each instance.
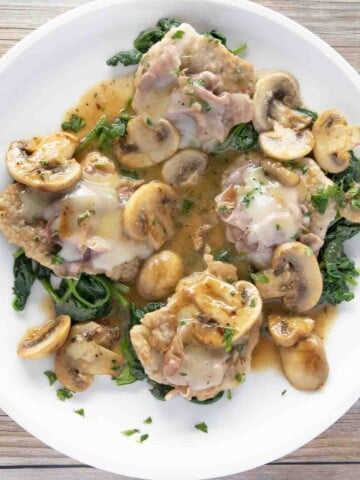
(337, 268)
(24, 278)
(243, 137)
(129, 57)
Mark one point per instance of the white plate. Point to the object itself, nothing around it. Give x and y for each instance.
(39, 79)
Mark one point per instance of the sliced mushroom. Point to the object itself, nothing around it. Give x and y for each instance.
(95, 164)
(223, 306)
(286, 330)
(305, 364)
(41, 341)
(147, 142)
(87, 353)
(287, 177)
(186, 167)
(286, 144)
(45, 164)
(288, 117)
(147, 214)
(295, 277)
(159, 275)
(334, 139)
(274, 85)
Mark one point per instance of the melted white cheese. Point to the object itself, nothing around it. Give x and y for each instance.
(272, 209)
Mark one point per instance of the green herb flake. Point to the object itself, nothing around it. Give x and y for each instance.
(186, 206)
(143, 437)
(259, 277)
(126, 58)
(248, 197)
(148, 421)
(229, 395)
(129, 433)
(83, 216)
(178, 34)
(241, 48)
(51, 377)
(129, 173)
(175, 72)
(309, 251)
(310, 113)
(74, 124)
(57, 260)
(283, 392)
(205, 106)
(243, 137)
(80, 412)
(64, 394)
(227, 338)
(240, 377)
(278, 226)
(223, 255)
(202, 427)
(252, 303)
(149, 122)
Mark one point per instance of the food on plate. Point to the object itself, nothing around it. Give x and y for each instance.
(186, 212)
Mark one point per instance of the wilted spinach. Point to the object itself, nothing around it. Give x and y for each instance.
(337, 268)
(145, 40)
(104, 133)
(243, 137)
(307, 112)
(346, 178)
(24, 277)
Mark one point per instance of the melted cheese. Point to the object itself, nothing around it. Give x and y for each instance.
(272, 209)
(91, 219)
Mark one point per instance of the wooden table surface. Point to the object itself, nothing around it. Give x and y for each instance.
(334, 455)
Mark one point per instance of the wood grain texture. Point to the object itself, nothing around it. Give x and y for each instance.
(334, 455)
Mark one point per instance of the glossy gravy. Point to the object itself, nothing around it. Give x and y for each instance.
(108, 98)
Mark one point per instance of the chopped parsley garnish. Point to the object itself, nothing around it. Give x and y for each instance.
(278, 226)
(196, 81)
(229, 395)
(241, 48)
(178, 34)
(83, 216)
(149, 122)
(321, 198)
(51, 376)
(223, 209)
(205, 106)
(249, 196)
(310, 113)
(308, 251)
(175, 71)
(129, 433)
(75, 123)
(240, 377)
(259, 277)
(283, 392)
(143, 437)
(57, 260)
(64, 394)
(227, 339)
(186, 206)
(129, 173)
(80, 412)
(202, 427)
(148, 421)
(252, 303)
(223, 255)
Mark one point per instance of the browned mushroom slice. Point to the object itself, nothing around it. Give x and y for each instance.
(286, 330)
(287, 177)
(147, 215)
(273, 85)
(295, 277)
(159, 275)
(45, 164)
(41, 341)
(305, 364)
(147, 142)
(87, 352)
(334, 139)
(186, 167)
